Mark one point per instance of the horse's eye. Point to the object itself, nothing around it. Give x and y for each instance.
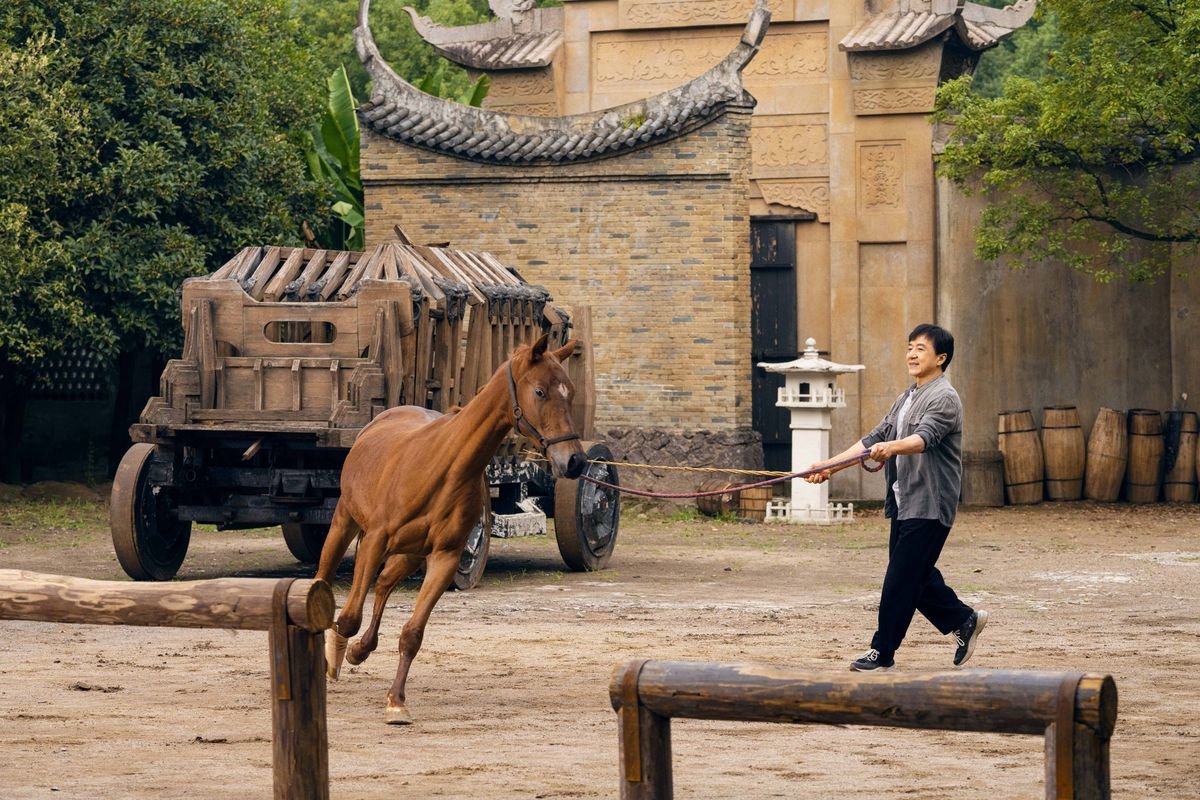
(540, 392)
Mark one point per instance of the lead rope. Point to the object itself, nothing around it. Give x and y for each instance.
(861, 458)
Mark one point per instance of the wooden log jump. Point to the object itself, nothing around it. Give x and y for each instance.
(294, 612)
(1075, 712)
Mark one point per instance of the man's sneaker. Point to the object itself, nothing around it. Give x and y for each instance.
(968, 635)
(871, 662)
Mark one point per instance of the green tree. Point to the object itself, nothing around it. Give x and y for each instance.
(143, 143)
(1026, 53)
(1089, 164)
(332, 23)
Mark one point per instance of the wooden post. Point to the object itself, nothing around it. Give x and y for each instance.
(1076, 713)
(300, 743)
(643, 739)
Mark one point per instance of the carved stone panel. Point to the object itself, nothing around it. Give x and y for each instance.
(687, 13)
(868, 102)
(629, 66)
(806, 194)
(895, 81)
(918, 64)
(524, 92)
(789, 145)
(880, 177)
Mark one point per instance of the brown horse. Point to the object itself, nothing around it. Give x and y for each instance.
(413, 488)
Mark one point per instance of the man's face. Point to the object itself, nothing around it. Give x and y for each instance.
(923, 363)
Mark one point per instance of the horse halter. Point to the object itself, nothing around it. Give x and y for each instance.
(530, 430)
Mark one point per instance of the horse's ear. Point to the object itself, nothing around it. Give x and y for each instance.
(539, 348)
(567, 350)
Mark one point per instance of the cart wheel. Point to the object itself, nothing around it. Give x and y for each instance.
(474, 554)
(586, 515)
(150, 543)
(305, 540)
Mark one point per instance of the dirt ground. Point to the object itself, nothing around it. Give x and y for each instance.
(511, 689)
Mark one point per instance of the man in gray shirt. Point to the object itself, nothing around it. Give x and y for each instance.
(920, 444)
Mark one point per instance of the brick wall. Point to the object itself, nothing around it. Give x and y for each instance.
(655, 240)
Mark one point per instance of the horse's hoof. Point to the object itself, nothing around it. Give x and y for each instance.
(335, 651)
(398, 715)
(355, 655)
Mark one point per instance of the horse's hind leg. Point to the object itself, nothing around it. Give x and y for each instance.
(395, 569)
(439, 571)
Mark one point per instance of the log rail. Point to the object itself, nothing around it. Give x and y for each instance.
(294, 612)
(1075, 712)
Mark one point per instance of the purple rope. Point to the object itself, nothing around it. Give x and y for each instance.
(861, 458)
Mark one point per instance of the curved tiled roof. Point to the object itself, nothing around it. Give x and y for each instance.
(400, 111)
(978, 26)
(504, 43)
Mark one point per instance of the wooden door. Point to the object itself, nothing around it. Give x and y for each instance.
(773, 332)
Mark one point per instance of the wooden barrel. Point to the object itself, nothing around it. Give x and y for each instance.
(1023, 462)
(752, 504)
(1144, 472)
(1065, 452)
(983, 478)
(1179, 463)
(1107, 456)
(716, 504)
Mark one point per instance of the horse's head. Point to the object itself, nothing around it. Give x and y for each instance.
(541, 394)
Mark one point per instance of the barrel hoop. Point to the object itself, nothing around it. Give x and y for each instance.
(1022, 430)
(1020, 483)
(1062, 480)
(1059, 427)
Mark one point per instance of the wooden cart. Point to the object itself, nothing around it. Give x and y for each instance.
(289, 352)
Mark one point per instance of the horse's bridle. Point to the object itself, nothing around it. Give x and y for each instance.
(530, 430)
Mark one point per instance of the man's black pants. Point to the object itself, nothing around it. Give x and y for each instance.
(913, 583)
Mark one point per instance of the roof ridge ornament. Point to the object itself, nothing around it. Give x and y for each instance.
(399, 110)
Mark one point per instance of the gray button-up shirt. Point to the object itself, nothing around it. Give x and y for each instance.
(930, 481)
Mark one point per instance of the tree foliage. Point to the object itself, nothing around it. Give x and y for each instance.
(1026, 53)
(1092, 163)
(149, 143)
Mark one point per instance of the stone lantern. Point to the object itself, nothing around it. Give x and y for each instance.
(811, 392)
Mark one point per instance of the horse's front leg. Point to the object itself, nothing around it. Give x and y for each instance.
(370, 555)
(395, 569)
(439, 571)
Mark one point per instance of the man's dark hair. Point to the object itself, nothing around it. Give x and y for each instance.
(943, 342)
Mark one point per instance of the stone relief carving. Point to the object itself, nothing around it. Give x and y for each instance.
(794, 55)
(790, 145)
(881, 177)
(693, 12)
(807, 194)
(922, 63)
(532, 109)
(506, 86)
(787, 56)
(918, 100)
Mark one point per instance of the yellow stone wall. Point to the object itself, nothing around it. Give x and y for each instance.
(655, 241)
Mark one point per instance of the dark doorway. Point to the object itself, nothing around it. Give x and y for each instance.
(773, 332)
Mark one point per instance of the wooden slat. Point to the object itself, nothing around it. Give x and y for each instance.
(230, 267)
(283, 276)
(391, 270)
(255, 284)
(329, 282)
(259, 415)
(297, 289)
(356, 274)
